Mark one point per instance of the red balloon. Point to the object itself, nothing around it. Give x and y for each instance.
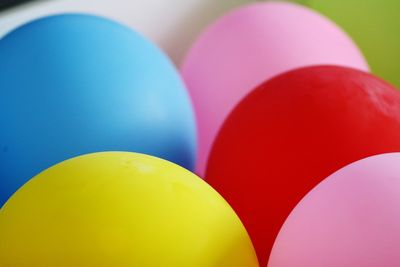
(291, 133)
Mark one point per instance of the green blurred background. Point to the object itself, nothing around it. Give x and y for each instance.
(375, 27)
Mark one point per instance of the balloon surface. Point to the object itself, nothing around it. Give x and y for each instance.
(351, 219)
(248, 46)
(374, 25)
(172, 24)
(292, 132)
(121, 209)
(76, 84)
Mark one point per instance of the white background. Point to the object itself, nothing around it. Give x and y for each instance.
(172, 24)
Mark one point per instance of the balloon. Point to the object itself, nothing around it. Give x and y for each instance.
(172, 24)
(268, 39)
(76, 84)
(374, 25)
(351, 219)
(121, 209)
(292, 132)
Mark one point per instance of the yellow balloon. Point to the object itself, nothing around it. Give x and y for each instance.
(119, 209)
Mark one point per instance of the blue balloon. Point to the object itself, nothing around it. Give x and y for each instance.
(75, 84)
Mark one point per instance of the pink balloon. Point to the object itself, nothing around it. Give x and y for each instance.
(252, 44)
(351, 219)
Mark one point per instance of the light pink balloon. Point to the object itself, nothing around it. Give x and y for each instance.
(351, 219)
(250, 45)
